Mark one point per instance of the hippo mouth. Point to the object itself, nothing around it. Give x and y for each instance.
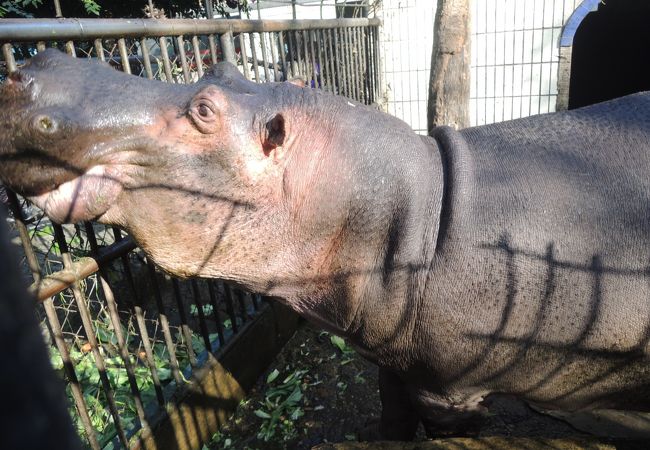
(85, 197)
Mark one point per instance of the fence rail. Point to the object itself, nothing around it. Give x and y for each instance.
(123, 334)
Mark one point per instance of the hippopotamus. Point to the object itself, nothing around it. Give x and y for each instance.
(511, 258)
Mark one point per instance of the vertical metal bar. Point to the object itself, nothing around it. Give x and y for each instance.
(199, 307)
(69, 49)
(314, 67)
(322, 63)
(162, 42)
(99, 49)
(41, 46)
(213, 49)
(198, 57)
(345, 41)
(124, 55)
(340, 74)
(376, 65)
(9, 57)
(215, 311)
(283, 58)
(273, 39)
(241, 300)
(19, 222)
(227, 47)
(361, 70)
(164, 323)
(356, 64)
(265, 59)
(255, 300)
(181, 53)
(290, 56)
(332, 62)
(256, 68)
(370, 70)
(363, 64)
(73, 381)
(308, 70)
(297, 48)
(185, 329)
(140, 321)
(244, 56)
(230, 305)
(146, 58)
(86, 321)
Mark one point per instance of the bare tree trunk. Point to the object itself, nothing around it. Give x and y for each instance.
(450, 59)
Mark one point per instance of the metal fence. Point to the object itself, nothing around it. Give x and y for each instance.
(124, 335)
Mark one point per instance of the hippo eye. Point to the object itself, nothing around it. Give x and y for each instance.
(204, 111)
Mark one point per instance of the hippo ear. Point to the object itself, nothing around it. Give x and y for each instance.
(300, 82)
(275, 133)
(227, 75)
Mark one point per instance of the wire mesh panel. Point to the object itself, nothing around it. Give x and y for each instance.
(515, 57)
(124, 335)
(407, 39)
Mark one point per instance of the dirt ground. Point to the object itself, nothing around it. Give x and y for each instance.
(337, 396)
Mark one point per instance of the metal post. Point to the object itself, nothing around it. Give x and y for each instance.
(228, 47)
(57, 8)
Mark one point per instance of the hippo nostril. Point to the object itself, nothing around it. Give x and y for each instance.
(45, 124)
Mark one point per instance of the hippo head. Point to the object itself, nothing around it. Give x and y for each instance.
(271, 185)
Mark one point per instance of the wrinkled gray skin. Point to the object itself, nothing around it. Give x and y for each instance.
(510, 258)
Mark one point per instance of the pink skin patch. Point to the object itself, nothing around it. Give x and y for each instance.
(84, 198)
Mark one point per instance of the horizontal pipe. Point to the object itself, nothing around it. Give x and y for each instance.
(31, 30)
(57, 282)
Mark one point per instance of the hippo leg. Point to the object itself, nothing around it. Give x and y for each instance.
(454, 413)
(399, 419)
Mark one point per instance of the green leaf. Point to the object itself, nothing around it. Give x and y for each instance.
(272, 376)
(338, 342)
(261, 414)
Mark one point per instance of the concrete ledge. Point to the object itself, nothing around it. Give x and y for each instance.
(195, 414)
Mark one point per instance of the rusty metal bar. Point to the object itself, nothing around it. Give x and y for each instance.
(305, 45)
(341, 61)
(314, 68)
(283, 57)
(185, 329)
(198, 57)
(229, 305)
(31, 30)
(297, 48)
(140, 321)
(359, 53)
(78, 270)
(228, 48)
(203, 326)
(69, 49)
(213, 49)
(40, 46)
(164, 323)
(124, 56)
(145, 58)
(54, 326)
(256, 69)
(99, 49)
(265, 59)
(180, 41)
(273, 39)
(86, 321)
(334, 78)
(19, 222)
(244, 57)
(289, 66)
(215, 311)
(162, 42)
(322, 62)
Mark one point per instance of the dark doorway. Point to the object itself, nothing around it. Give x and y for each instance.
(611, 53)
